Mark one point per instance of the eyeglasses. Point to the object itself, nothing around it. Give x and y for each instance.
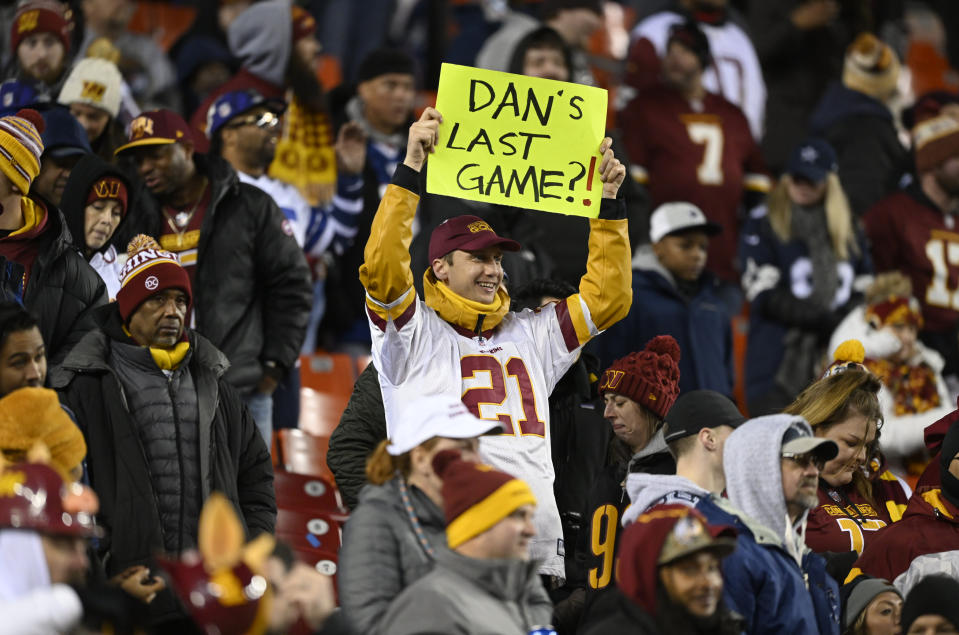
(266, 121)
(805, 459)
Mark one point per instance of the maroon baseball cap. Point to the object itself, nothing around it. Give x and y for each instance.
(468, 233)
(156, 127)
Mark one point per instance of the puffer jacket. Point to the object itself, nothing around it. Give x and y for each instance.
(472, 597)
(62, 289)
(232, 456)
(165, 411)
(381, 554)
(253, 289)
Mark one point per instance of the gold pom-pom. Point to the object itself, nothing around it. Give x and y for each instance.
(850, 351)
(141, 242)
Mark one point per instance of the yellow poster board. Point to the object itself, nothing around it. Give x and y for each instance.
(517, 140)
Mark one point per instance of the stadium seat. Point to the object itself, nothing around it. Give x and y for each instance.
(304, 453)
(305, 492)
(311, 530)
(326, 381)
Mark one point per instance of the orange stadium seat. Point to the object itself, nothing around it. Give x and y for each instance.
(306, 492)
(309, 530)
(326, 381)
(162, 21)
(304, 453)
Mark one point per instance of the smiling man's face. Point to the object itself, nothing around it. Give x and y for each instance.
(474, 275)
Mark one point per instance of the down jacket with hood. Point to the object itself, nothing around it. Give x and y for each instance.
(253, 291)
(105, 260)
(772, 579)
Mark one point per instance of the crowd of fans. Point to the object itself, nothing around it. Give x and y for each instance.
(723, 405)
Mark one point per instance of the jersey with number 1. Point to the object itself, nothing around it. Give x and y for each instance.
(702, 153)
(909, 234)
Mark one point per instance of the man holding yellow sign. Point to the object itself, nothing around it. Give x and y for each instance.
(462, 340)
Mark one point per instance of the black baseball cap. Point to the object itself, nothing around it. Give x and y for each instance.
(698, 409)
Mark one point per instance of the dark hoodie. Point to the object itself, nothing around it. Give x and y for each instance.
(88, 171)
(863, 132)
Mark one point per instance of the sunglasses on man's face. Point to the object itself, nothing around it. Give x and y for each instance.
(805, 459)
(266, 121)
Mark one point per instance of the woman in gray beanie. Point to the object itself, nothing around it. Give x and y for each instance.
(870, 606)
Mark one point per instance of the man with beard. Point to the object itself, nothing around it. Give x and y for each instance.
(914, 231)
(250, 280)
(40, 39)
(772, 466)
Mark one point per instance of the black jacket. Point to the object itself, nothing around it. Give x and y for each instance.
(233, 458)
(619, 614)
(62, 291)
(362, 426)
(253, 290)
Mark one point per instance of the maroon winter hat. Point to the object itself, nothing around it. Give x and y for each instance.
(649, 377)
(42, 16)
(469, 233)
(149, 269)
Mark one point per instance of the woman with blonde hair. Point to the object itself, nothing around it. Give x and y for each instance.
(856, 496)
(392, 535)
(802, 256)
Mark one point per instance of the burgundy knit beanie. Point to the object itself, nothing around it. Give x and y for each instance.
(649, 377)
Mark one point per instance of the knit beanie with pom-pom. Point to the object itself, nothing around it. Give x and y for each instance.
(649, 377)
(21, 147)
(149, 269)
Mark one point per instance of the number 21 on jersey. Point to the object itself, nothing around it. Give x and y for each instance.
(499, 381)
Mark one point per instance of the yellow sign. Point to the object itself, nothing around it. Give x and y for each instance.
(517, 140)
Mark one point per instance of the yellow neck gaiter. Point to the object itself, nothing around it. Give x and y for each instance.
(166, 358)
(32, 215)
(464, 313)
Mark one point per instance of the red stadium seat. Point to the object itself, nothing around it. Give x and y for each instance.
(303, 453)
(310, 530)
(326, 381)
(302, 492)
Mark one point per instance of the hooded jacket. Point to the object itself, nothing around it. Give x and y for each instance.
(61, 290)
(470, 596)
(646, 490)
(381, 554)
(863, 132)
(764, 577)
(700, 324)
(85, 173)
(446, 344)
(253, 290)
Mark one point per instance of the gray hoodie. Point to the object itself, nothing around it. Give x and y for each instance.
(752, 464)
(646, 490)
(262, 38)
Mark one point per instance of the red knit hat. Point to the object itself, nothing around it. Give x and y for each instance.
(149, 269)
(109, 187)
(475, 496)
(649, 377)
(303, 23)
(660, 536)
(935, 140)
(42, 16)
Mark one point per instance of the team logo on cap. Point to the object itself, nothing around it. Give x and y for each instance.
(479, 226)
(141, 127)
(611, 379)
(151, 283)
(92, 90)
(809, 154)
(28, 21)
(107, 189)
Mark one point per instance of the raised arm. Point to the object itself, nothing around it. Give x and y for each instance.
(606, 288)
(385, 272)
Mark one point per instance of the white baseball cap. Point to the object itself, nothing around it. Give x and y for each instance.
(677, 216)
(436, 416)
